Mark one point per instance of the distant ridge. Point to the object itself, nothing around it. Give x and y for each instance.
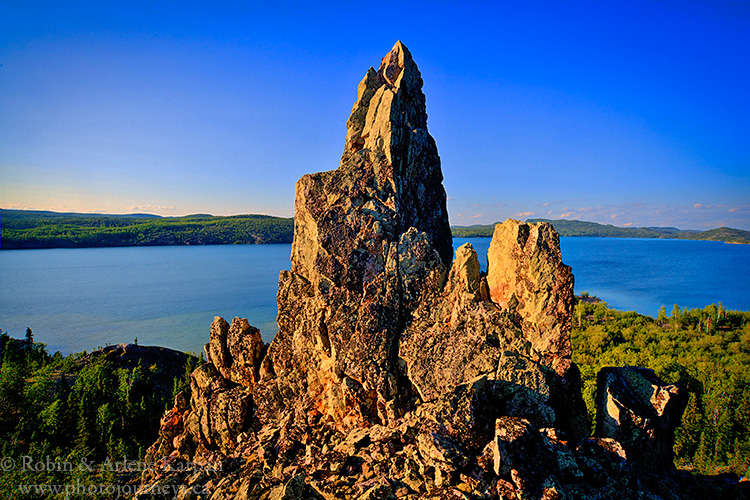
(567, 227)
(26, 229)
(42, 214)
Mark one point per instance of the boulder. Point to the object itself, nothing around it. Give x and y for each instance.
(634, 407)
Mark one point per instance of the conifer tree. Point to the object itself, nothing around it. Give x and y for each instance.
(662, 316)
(687, 436)
(675, 317)
(29, 340)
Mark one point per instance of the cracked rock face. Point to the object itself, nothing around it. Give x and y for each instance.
(511, 326)
(236, 350)
(525, 273)
(370, 237)
(397, 373)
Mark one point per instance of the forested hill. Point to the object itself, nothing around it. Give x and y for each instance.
(582, 228)
(40, 229)
(37, 229)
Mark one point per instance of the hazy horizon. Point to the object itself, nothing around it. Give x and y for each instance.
(631, 115)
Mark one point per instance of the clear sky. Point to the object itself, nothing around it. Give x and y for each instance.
(630, 113)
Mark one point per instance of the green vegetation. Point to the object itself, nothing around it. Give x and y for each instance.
(706, 349)
(74, 410)
(728, 234)
(582, 228)
(31, 229)
(35, 229)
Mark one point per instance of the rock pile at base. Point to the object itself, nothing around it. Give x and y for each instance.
(399, 373)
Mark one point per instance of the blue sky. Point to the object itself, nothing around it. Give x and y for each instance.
(629, 113)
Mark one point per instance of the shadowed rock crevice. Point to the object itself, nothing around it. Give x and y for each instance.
(397, 373)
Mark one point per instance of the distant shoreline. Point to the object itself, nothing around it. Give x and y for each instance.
(574, 228)
(23, 229)
(28, 229)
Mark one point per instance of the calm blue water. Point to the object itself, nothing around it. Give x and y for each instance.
(76, 299)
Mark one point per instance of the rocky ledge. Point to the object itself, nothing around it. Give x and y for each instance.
(399, 372)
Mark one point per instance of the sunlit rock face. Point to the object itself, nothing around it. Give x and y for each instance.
(236, 350)
(511, 326)
(370, 237)
(398, 371)
(526, 274)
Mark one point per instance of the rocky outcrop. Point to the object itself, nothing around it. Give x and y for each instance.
(370, 238)
(641, 412)
(236, 350)
(525, 274)
(397, 373)
(463, 332)
(131, 355)
(171, 364)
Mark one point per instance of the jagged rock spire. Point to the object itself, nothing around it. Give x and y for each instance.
(369, 238)
(389, 173)
(375, 115)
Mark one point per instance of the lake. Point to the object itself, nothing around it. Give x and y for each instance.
(81, 299)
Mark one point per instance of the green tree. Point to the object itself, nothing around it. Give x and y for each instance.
(687, 436)
(675, 317)
(724, 435)
(11, 394)
(715, 430)
(704, 456)
(29, 339)
(662, 316)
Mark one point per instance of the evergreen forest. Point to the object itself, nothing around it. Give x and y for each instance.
(567, 227)
(69, 420)
(25, 229)
(707, 350)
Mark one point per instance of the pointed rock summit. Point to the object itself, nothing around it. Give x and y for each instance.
(389, 179)
(398, 372)
(369, 237)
